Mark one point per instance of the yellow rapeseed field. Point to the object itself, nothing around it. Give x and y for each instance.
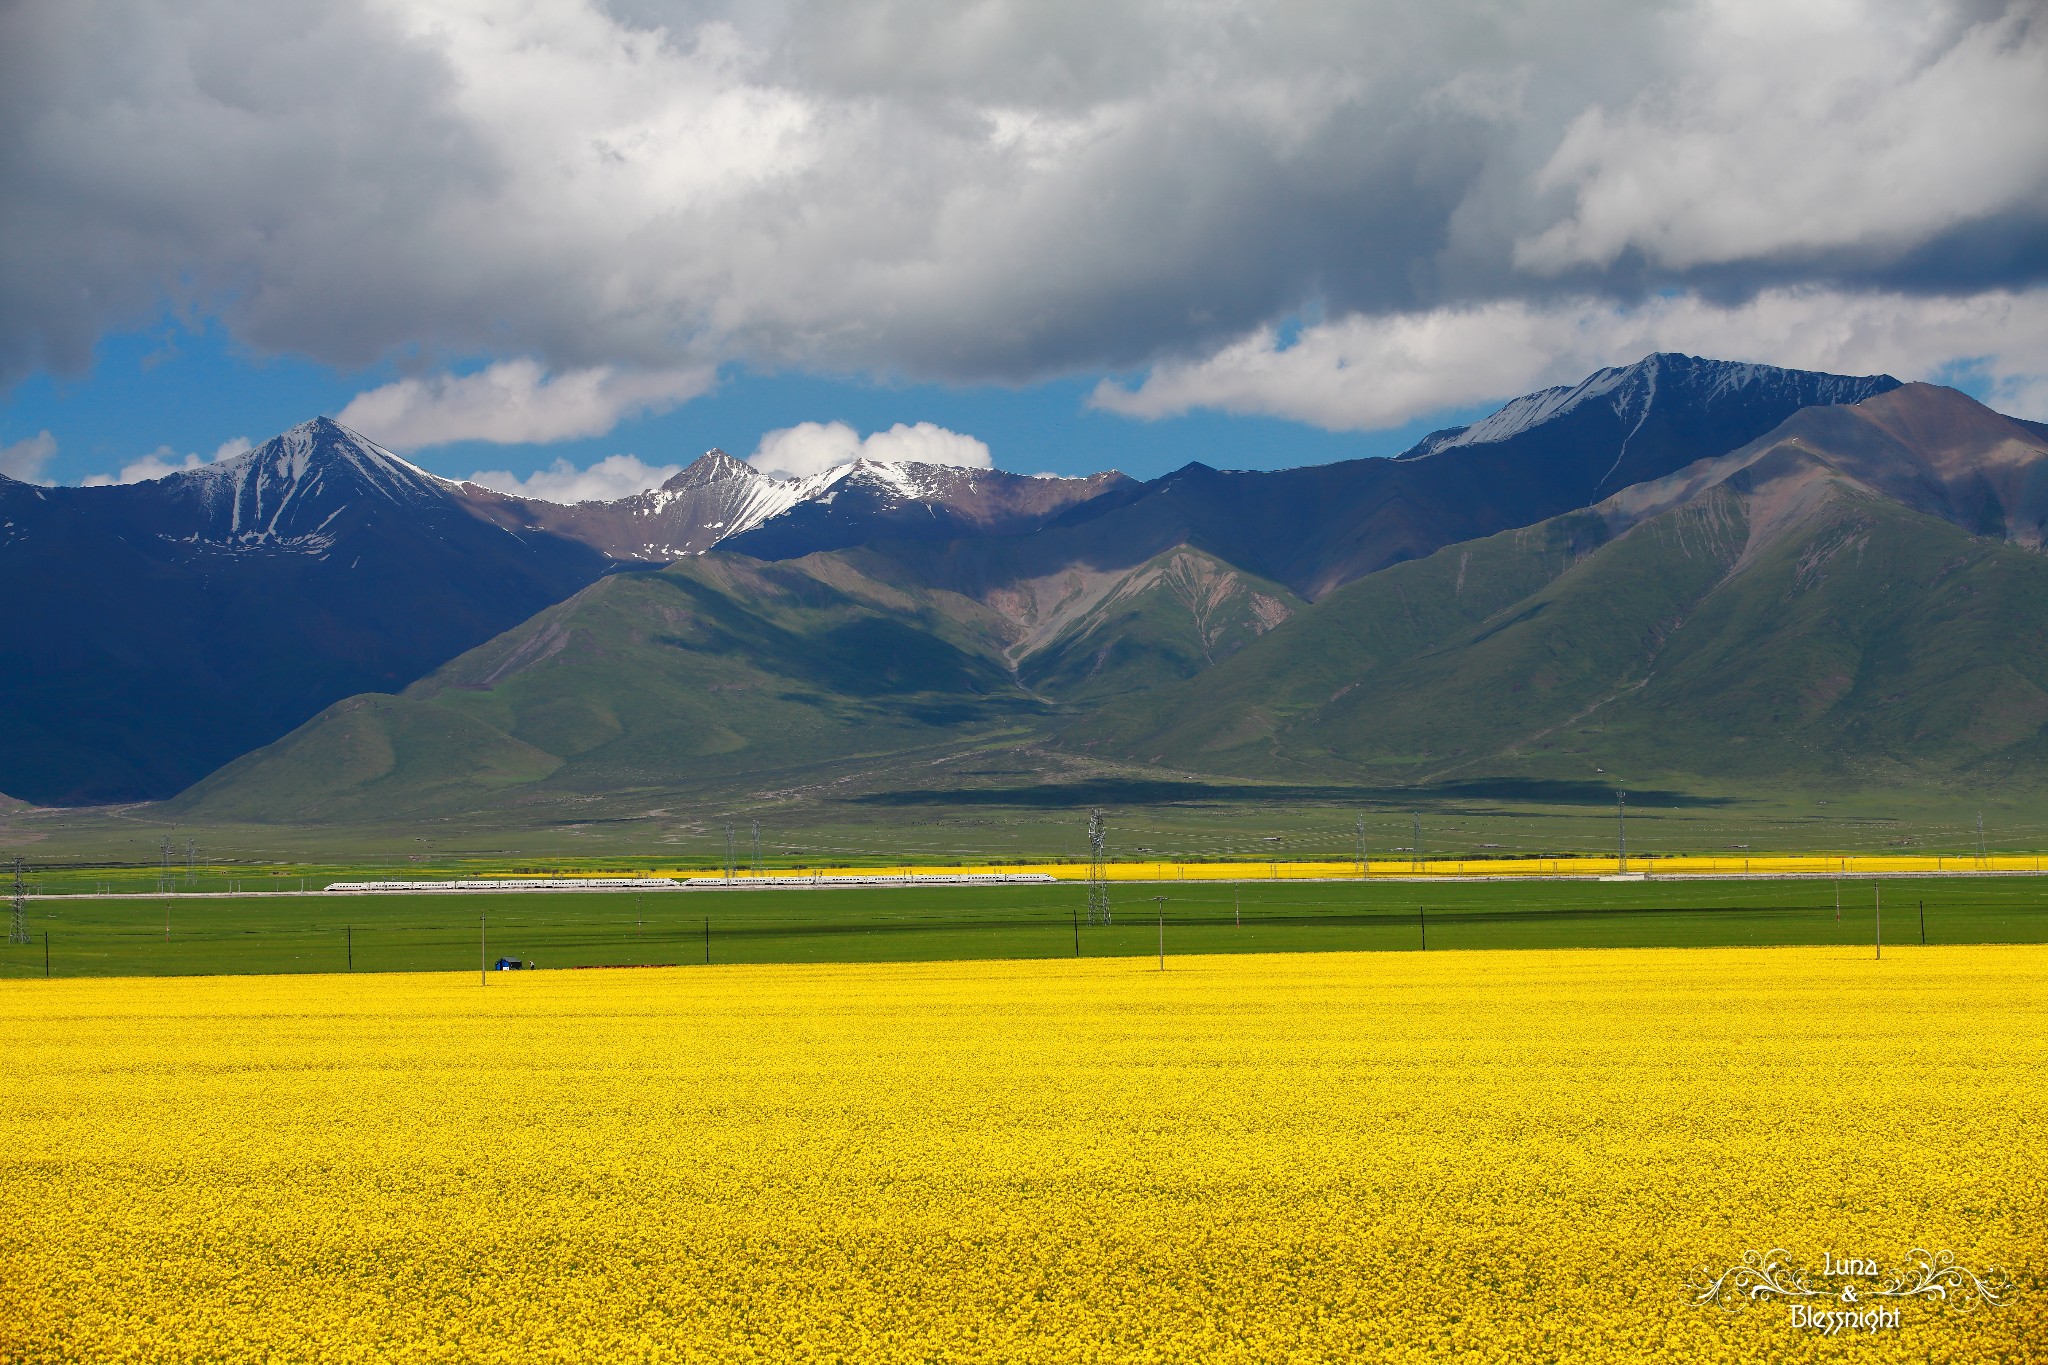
(1523, 1156)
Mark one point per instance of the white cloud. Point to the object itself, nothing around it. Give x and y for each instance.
(1364, 373)
(925, 443)
(515, 402)
(806, 448)
(609, 479)
(24, 460)
(814, 447)
(1001, 190)
(163, 460)
(1807, 129)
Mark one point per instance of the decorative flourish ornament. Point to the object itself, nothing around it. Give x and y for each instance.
(1938, 1275)
(1758, 1275)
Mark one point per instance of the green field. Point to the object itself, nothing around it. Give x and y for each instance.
(819, 821)
(200, 934)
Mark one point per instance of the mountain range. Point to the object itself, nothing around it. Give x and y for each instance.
(1682, 567)
(163, 628)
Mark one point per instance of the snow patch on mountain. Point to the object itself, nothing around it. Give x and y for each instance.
(1630, 391)
(287, 492)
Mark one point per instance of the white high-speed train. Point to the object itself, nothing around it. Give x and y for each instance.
(520, 884)
(790, 880)
(871, 879)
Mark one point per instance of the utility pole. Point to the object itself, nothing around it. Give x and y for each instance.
(1162, 931)
(1422, 918)
(483, 975)
(1098, 881)
(707, 940)
(1923, 924)
(349, 935)
(1621, 817)
(1878, 893)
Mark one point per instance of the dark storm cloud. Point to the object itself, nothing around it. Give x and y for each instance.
(989, 191)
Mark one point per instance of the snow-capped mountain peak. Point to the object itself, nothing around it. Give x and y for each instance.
(713, 466)
(288, 492)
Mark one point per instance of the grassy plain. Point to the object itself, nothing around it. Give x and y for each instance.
(189, 934)
(1532, 1156)
(977, 804)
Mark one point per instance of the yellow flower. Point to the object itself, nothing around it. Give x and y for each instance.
(1465, 1156)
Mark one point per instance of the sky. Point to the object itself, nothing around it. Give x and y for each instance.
(565, 246)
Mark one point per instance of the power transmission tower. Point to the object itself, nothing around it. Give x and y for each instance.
(163, 876)
(731, 867)
(17, 928)
(1415, 840)
(1621, 816)
(190, 852)
(1098, 884)
(1363, 863)
(1981, 855)
(756, 866)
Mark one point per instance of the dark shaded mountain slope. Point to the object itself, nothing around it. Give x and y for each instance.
(152, 632)
(1314, 529)
(1317, 528)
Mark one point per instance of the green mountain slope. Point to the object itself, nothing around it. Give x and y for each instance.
(1169, 619)
(716, 668)
(1786, 622)
(1226, 721)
